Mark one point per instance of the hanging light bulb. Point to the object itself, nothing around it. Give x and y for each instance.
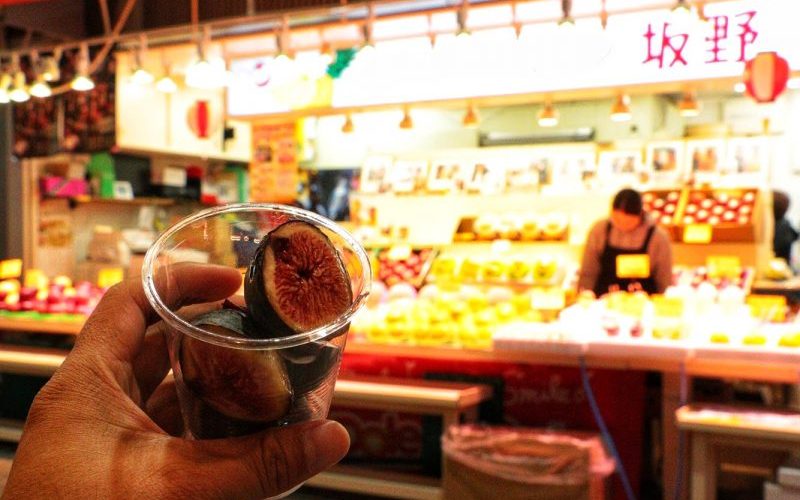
(367, 46)
(326, 53)
(166, 84)
(19, 91)
(471, 118)
(739, 87)
(461, 20)
(205, 73)
(567, 22)
(347, 127)
(140, 75)
(82, 81)
(40, 88)
(688, 107)
(51, 72)
(406, 123)
(683, 13)
(621, 109)
(282, 42)
(5, 81)
(548, 115)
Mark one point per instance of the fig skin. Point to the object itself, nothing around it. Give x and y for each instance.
(310, 374)
(296, 281)
(247, 385)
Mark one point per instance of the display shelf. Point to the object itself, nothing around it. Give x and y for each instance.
(31, 360)
(177, 155)
(55, 326)
(161, 202)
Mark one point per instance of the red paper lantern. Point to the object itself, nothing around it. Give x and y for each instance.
(765, 76)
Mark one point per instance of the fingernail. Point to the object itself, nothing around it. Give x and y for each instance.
(330, 442)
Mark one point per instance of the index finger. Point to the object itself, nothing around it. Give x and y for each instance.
(117, 326)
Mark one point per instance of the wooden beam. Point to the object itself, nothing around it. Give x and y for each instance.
(106, 16)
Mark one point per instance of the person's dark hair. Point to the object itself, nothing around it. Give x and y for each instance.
(780, 204)
(628, 201)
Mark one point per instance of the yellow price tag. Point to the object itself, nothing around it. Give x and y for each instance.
(35, 278)
(768, 307)
(399, 252)
(697, 233)
(635, 266)
(110, 276)
(667, 307)
(724, 266)
(11, 268)
(552, 299)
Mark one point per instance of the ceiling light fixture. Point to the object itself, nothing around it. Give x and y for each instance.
(471, 118)
(51, 71)
(682, 12)
(566, 21)
(406, 123)
(40, 88)
(548, 115)
(688, 107)
(347, 127)
(739, 87)
(205, 73)
(82, 81)
(5, 82)
(19, 90)
(461, 19)
(621, 109)
(282, 42)
(140, 75)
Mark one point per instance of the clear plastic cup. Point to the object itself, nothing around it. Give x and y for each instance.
(233, 385)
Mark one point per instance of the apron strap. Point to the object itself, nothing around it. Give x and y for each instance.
(647, 239)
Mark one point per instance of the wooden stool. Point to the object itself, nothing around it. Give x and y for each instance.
(713, 426)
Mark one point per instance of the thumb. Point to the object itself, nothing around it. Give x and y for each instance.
(265, 464)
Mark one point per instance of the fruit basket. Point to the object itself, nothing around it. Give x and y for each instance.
(729, 212)
(663, 205)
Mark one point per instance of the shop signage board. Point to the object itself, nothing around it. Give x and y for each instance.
(636, 48)
(698, 233)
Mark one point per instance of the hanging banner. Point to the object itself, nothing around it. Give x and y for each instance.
(652, 46)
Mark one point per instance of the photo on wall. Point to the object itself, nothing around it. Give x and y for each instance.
(620, 166)
(664, 160)
(747, 155)
(705, 157)
(485, 177)
(408, 176)
(444, 176)
(375, 174)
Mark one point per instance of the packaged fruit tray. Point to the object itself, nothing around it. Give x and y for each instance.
(663, 205)
(514, 227)
(409, 265)
(519, 269)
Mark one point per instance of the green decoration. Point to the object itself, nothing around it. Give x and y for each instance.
(343, 59)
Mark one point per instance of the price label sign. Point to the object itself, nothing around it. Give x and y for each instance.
(768, 307)
(724, 266)
(399, 252)
(697, 233)
(35, 278)
(11, 268)
(635, 266)
(548, 299)
(668, 307)
(110, 276)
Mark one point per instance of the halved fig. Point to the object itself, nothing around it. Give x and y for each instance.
(296, 281)
(248, 385)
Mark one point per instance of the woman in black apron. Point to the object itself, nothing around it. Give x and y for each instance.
(627, 252)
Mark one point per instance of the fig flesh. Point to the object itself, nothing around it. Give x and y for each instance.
(247, 385)
(296, 281)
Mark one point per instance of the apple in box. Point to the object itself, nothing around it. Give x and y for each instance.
(659, 204)
(647, 197)
(718, 210)
(733, 203)
(729, 216)
(27, 305)
(673, 196)
(713, 220)
(743, 220)
(702, 215)
(690, 209)
(707, 203)
(27, 293)
(749, 197)
(688, 219)
(669, 208)
(745, 209)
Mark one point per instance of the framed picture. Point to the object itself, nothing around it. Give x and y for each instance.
(665, 159)
(705, 157)
(619, 165)
(520, 176)
(123, 190)
(485, 177)
(375, 174)
(444, 176)
(747, 155)
(573, 168)
(409, 175)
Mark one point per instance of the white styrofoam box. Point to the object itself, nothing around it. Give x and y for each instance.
(773, 491)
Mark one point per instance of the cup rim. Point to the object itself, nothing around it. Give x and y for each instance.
(180, 324)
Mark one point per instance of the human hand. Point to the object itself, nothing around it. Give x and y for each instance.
(99, 427)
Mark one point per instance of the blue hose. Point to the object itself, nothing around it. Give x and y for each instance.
(598, 417)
